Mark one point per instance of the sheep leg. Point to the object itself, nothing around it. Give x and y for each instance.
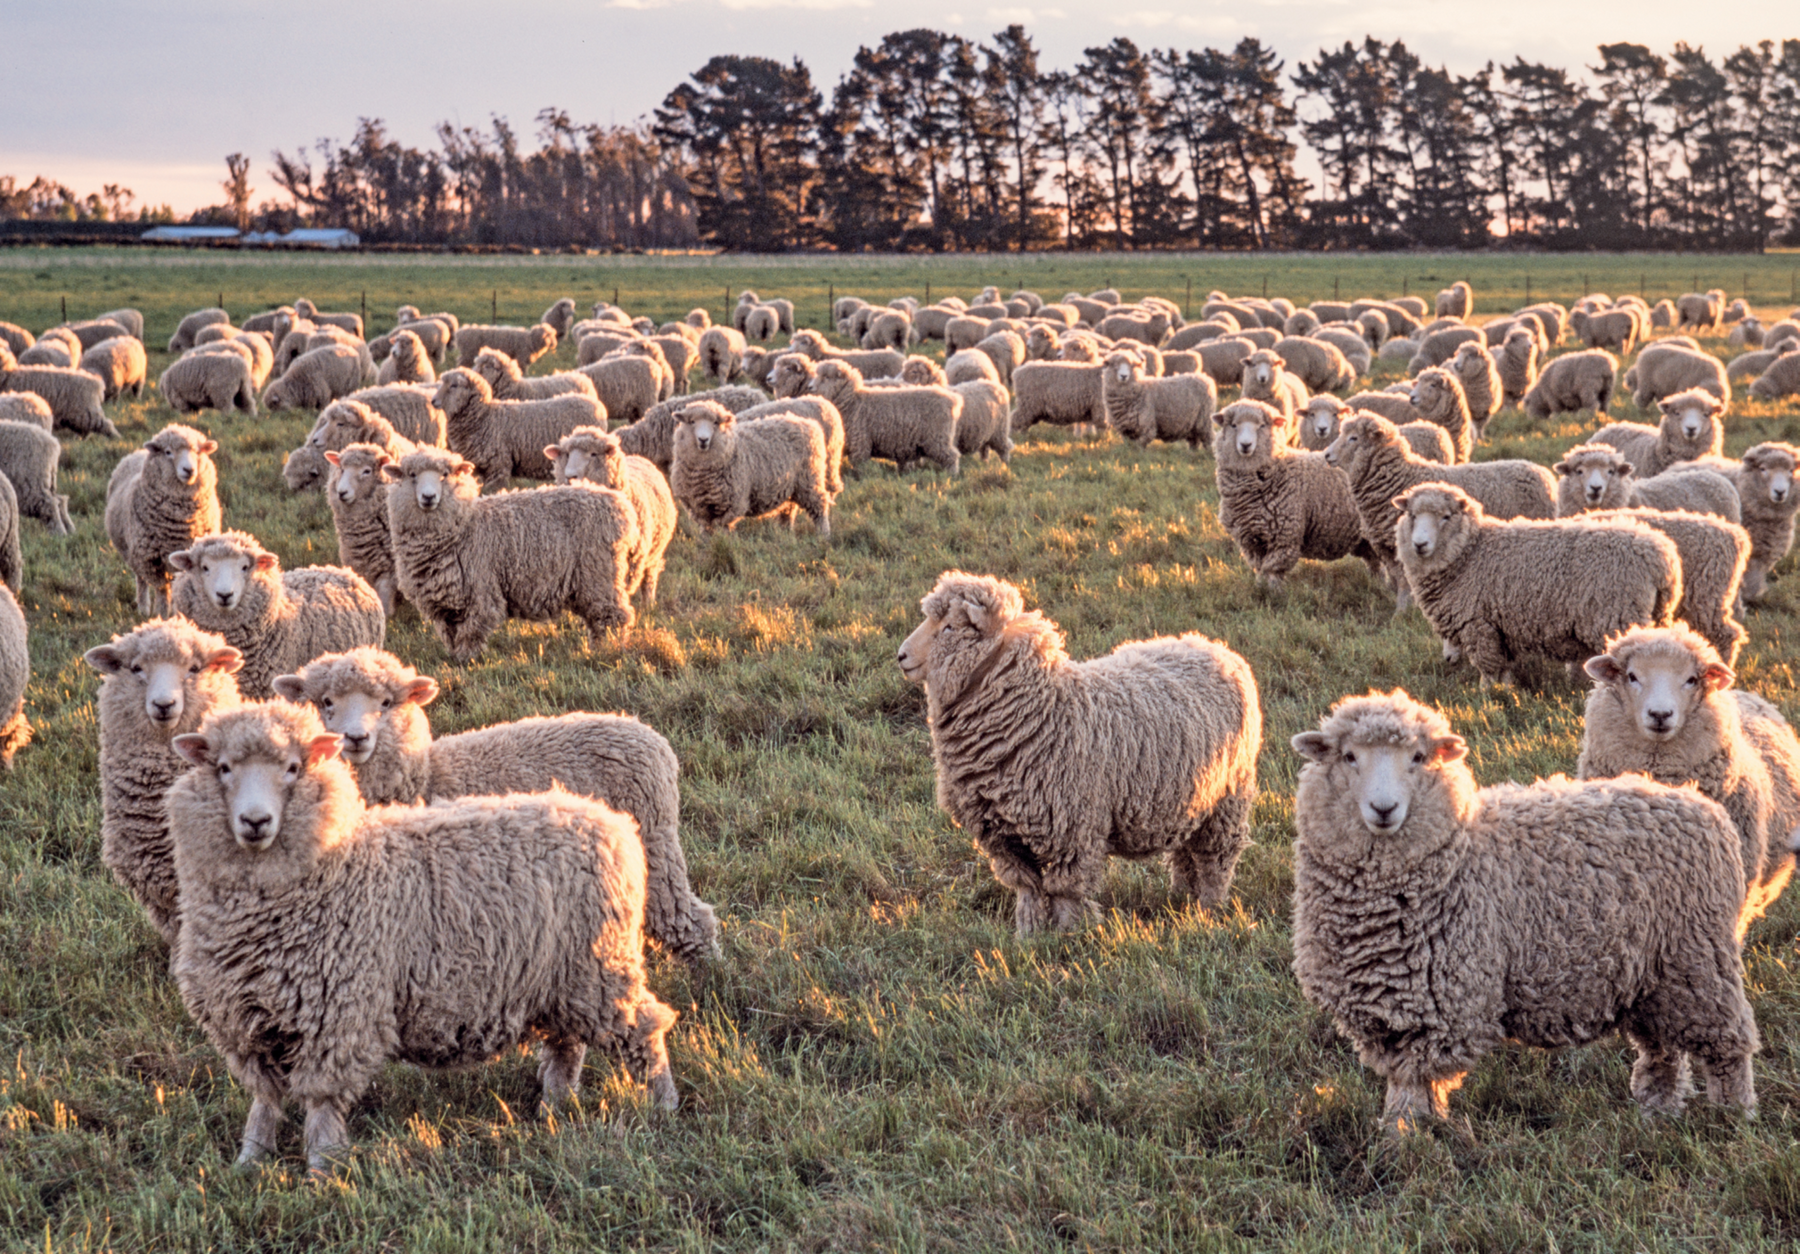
(1204, 864)
(1412, 1098)
(1481, 645)
(386, 588)
(261, 1130)
(1052, 912)
(645, 1049)
(327, 1139)
(1755, 583)
(1729, 1082)
(1660, 1081)
(559, 1071)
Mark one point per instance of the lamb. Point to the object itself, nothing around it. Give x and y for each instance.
(408, 362)
(468, 562)
(971, 365)
(1434, 919)
(1266, 378)
(183, 339)
(1052, 765)
(1598, 476)
(653, 436)
(15, 674)
(1439, 346)
(159, 680)
(1277, 504)
(1316, 363)
(626, 386)
(358, 498)
(903, 424)
(1496, 590)
(29, 457)
(1663, 706)
(160, 499)
(1456, 301)
(1714, 553)
(723, 471)
(523, 344)
(590, 453)
(74, 396)
(218, 381)
(271, 838)
(1690, 428)
(1664, 369)
(1517, 365)
(506, 438)
(1474, 368)
(1324, 415)
(121, 365)
(1437, 397)
(1143, 409)
(1573, 382)
(377, 704)
(559, 316)
(1780, 378)
(722, 353)
(316, 379)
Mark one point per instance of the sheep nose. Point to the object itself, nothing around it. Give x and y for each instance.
(1660, 718)
(254, 824)
(1778, 495)
(1383, 813)
(165, 708)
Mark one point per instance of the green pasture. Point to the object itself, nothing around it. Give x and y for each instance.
(876, 1062)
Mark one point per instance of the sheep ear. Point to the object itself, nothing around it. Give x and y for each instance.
(551, 452)
(463, 467)
(290, 688)
(227, 659)
(105, 659)
(181, 559)
(1717, 675)
(1560, 469)
(1604, 669)
(1450, 748)
(332, 457)
(193, 748)
(209, 446)
(1626, 470)
(265, 561)
(389, 472)
(1277, 419)
(322, 747)
(1219, 419)
(1314, 745)
(422, 690)
(1399, 503)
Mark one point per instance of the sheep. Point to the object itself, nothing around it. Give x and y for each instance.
(1052, 765)
(722, 353)
(591, 453)
(183, 339)
(1736, 311)
(1787, 331)
(1195, 334)
(523, 344)
(1746, 334)
(160, 499)
(469, 562)
(1439, 346)
(1764, 479)
(1714, 553)
(506, 438)
(433, 337)
(341, 424)
(1701, 311)
(377, 704)
(330, 337)
(1474, 368)
(159, 680)
(26, 407)
(903, 424)
(920, 372)
(559, 316)
(217, 333)
(984, 422)
(15, 674)
(1279, 505)
(316, 378)
(1615, 329)
(653, 436)
(15, 337)
(1572, 382)
(1300, 322)
(1146, 328)
(1324, 415)
(1144, 409)
(969, 366)
(74, 396)
(891, 328)
(1690, 428)
(1663, 369)
(1496, 590)
(881, 363)
(260, 356)
(218, 381)
(293, 344)
(1456, 301)
(350, 322)
(1356, 352)
(408, 362)
(29, 457)
(626, 387)
(271, 838)
(1598, 476)
(1746, 366)
(1317, 364)
(119, 363)
(405, 315)
(1517, 365)
(1266, 378)
(1780, 378)
(1004, 349)
(358, 500)
(268, 321)
(411, 408)
(55, 347)
(1436, 396)
(1663, 706)
(12, 560)
(1434, 919)
(509, 383)
(723, 471)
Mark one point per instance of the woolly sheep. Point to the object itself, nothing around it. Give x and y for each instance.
(509, 383)
(1746, 366)
(1786, 331)
(55, 347)
(506, 438)
(200, 381)
(1690, 427)
(1301, 322)
(260, 356)
(881, 363)
(653, 436)
(29, 457)
(626, 386)
(523, 344)
(316, 379)
(1474, 368)
(969, 366)
(1005, 350)
(984, 421)
(1434, 919)
(1616, 329)
(1496, 590)
(1599, 476)
(1701, 311)
(722, 353)
(1665, 369)
(183, 339)
(891, 328)
(268, 321)
(469, 562)
(160, 499)
(1456, 301)
(1780, 378)
(1437, 397)
(26, 407)
(120, 364)
(1747, 334)
(1267, 378)
(1324, 415)
(1517, 365)
(159, 680)
(1354, 348)
(1052, 765)
(406, 315)
(350, 322)
(408, 362)
(1316, 363)
(1144, 409)
(559, 316)
(1764, 479)
(902, 424)
(539, 897)
(1714, 553)
(74, 396)
(291, 346)
(1438, 347)
(592, 454)
(1573, 382)
(12, 560)
(723, 471)
(217, 333)
(357, 495)
(15, 674)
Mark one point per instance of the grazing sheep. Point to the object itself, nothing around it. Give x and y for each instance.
(592, 454)
(469, 562)
(1664, 369)
(506, 438)
(902, 424)
(15, 337)
(1746, 334)
(1005, 349)
(653, 436)
(317, 378)
(406, 315)
(1496, 590)
(1764, 479)
(120, 364)
(1437, 397)
(1617, 329)
(1440, 346)
(1700, 311)
(377, 704)
(969, 366)
(358, 498)
(1053, 765)
(229, 583)
(559, 316)
(1456, 301)
(1277, 504)
(183, 339)
(1780, 378)
(29, 458)
(1317, 364)
(268, 321)
(1143, 409)
(160, 499)
(881, 363)
(160, 679)
(1434, 919)
(261, 356)
(892, 328)
(1571, 383)
(55, 347)
(1746, 366)
(920, 372)
(1787, 331)
(1474, 368)
(722, 353)
(1598, 476)
(217, 333)
(408, 362)
(432, 935)
(412, 408)
(220, 381)
(523, 344)
(341, 424)
(1351, 344)
(1714, 553)
(15, 674)
(626, 386)
(291, 346)
(723, 471)
(350, 322)
(1301, 322)
(74, 396)
(1144, 327)
(1691, 427)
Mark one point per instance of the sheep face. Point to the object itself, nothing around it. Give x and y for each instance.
(1262, 367)
(1690, 422)
(1247, 431)
(178, 452)
(961, 610)
(1391, 759)
(1435, 521)
(1427, 393)
(170, 666)
(495, 370)
(588, 453)
(791, 375)
(1769, 474)
(223, 568)
(1123, 366)
(356, 472)
(257, 775)
(1322, 420)
(357, 705)
(460, 389)
(1661, 675)
(431, 479)
(1358, 436)
(703, 429)
(1600, 475)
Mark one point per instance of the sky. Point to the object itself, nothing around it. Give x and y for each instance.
(153, 96)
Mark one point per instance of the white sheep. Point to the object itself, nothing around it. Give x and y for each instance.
(316, 378)
(1143, 409)
(29, 458)
(160, 499)
(506, 438)
(15, 674)
(723, 471)
(592, 454)
(221, 381)
(74, 395)
(903, 424)
(523, 344)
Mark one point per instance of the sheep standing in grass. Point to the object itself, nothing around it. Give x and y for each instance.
(506, 438)
(1714, 553)
(1700, 311)
(722, 353)
(317, 378)
(626, 386)
(903, 424)
(1764, 478)
(15, 675)
(1456, 301)
(1517, 364)
(1052, 766)
(220, 381)
(1597, 476)
(1434, 919)
(1143, 409)
(377, 704)
(1323, 420)
(160, 499)
(29, 458)
(341, 424)
(559, 317)
(723, 471)
(523, 344)
(408, 362)
(1691, 427)
(120, 364)
(74, 396)
(1437, 397)
(1316, 363)
(1571, 383)
(879, 363)
(160, 679)
(435, 935)
(1474, 368)
(1494, 591)
(279, 621)
(26, 407)
(183, 339)
(469, 562)
(12, 559)
(1267, 378)
(357, 495)
(1663, 706)
(509, 383)
(1664, 369)
(592, 454)
(1781, 377)
(653, 436)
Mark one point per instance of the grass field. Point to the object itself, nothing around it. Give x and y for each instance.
(877, 1062)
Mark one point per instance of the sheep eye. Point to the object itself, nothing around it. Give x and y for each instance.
(326, 703)
(1692, 680)
(224, 769)
(1631, 677)
(293, 769)
(1418, 759)
(137, 670)
(387, 703)
(194, 669)
(1349, 757)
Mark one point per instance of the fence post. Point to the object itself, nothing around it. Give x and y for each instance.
(927, 291)
(221, 304)
(1188, 300)
(1265, 287)
(1746, 287)
(1334, 288)
(65, 307)
(615, 295)
(1403, 282)
(494, 306)
(728, 304)
(365, 311)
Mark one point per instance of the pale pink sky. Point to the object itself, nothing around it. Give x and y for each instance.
(154, 96)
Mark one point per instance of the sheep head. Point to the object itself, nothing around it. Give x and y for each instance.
(1394, 766)
(1247, 431)
(224, 565)
(180, 452)
(1661, 676)
(259, 766)
(1690, 422)
(1436, 522)
(960, 611)
(174, 662)
(1769, 474)
(356, 694)
(430, 478)
(588, 453)
(1324, 414)
(357, 470)
(1600, 473)
(705, 425)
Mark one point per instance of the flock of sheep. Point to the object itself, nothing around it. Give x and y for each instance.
(340, 889)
